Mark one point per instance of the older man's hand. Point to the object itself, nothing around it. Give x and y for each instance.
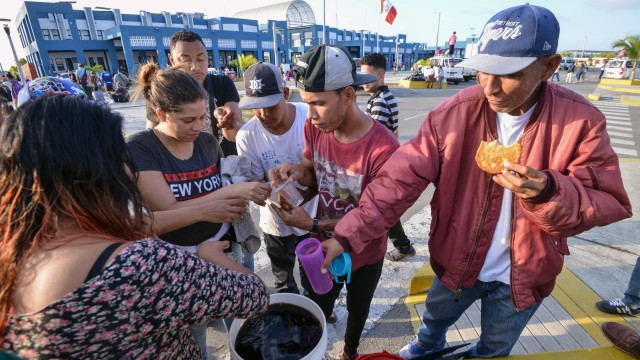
(526, 183)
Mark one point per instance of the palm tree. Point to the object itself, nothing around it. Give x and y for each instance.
(631, 45)
(244, 61)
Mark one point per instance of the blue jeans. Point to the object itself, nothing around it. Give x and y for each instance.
(555, 76)
(501, 323)
(242, 257)
(199, 333)
(632, 295)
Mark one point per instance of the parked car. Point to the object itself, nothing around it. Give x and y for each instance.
(452, 73)
(566, 62)
(619, 69)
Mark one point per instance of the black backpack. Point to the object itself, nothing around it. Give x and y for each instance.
(83, 78)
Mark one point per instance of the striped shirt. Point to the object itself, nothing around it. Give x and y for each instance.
(382, 106)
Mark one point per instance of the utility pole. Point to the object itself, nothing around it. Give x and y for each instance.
(15, 56)
(583, 46)
(275, 46)
(438, 32)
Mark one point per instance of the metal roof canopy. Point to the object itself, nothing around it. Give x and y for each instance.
(297, 13)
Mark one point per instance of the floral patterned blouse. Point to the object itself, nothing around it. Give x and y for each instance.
(139, 307)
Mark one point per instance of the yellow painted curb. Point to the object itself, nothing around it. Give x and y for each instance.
(422, 280)
(418, 84)
(624, 99)
(594, 96)
(411, 301)
(580, 302)
(619, 82)
(619, 89)
(396, 84)
(628, 160)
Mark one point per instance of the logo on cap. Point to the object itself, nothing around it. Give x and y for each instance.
(511, 30)
(546, 46)
(256, 85)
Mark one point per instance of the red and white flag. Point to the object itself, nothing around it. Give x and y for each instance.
(388, 9)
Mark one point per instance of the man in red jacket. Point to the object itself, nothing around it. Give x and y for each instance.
(499, 238)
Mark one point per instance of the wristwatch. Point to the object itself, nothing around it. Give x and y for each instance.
(314, 228)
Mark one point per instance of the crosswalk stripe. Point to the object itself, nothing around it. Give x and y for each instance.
(623, 142)
(609, 104)
(620, 151)
(618, 118)
(615, 133)
(617, 122)
(619, 128)
(609, 112)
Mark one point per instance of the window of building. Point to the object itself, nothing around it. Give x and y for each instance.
(248, 44)
(308, 41)
(45, 34)
(100, 34)
(227, 43)
(69, 37)
(85, 35)
(266, 56)
(59, 64)
(55, 34)
(267, 44)
(332, 41)
(53, 67)
(296, 42)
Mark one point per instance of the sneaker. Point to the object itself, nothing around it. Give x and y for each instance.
(615, 306)
(412, 350)
(332, 318)
(396, 255)
(346, 356)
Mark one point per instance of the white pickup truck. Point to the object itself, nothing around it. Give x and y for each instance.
(453, 74)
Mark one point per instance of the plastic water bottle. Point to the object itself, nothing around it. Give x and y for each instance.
(309, 251)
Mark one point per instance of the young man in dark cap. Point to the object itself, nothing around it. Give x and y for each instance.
(500, 238)
(344, 149)
(275, 135)
(223, 113)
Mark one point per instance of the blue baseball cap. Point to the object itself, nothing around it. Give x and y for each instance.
(48, 86)
(514, 38)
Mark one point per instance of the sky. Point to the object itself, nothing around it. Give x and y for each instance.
(592, 24)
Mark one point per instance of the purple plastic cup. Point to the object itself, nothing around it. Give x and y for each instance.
(309, 251)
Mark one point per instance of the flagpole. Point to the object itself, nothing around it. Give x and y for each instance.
(324, 21)
(378, 36)
(364, 28)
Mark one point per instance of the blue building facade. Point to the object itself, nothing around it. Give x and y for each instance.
(56, 38)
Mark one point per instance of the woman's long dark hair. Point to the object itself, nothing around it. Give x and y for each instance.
(62, 157)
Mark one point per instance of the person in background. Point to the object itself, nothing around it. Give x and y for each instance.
(382, 107)
(121, 79)
(630, 303)
(498, 238)
(15, 87)
(83, 80)
(452, 43)
(107, 80)
(570, 71)
(121, 95)
(442, 78)
(72, 76)
(74, 214)
(556, 74)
